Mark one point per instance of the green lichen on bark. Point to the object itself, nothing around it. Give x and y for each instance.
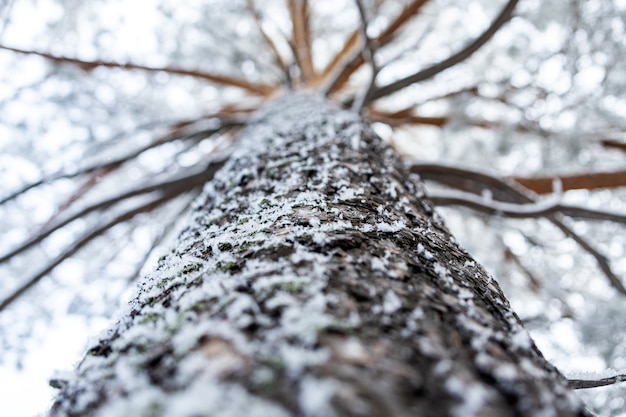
(314, 279)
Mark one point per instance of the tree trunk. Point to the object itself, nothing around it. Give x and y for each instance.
(315, 279)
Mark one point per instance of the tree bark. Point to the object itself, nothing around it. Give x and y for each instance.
(315, 279)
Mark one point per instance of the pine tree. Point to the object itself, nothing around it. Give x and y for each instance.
(315, 279)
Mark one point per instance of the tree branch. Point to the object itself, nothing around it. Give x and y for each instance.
(615, 144)
(478, 181)
(177, 133)
(594, 383)
(368, 56)
(78, 244)
(521, 211)
(460, 56)
(182, 183)
(472, 181)
(351, 62)
(407, 14)
(258, 20)
(405, 116)
(587, 181)
(301, 37)
(259, 89)
(348, 53)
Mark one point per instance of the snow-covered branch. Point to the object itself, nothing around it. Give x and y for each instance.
(476, 181)
(519, 211)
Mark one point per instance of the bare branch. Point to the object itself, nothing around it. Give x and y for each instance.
(510, 256)
(405, 116)
(594, 383)
(260, 89)
(410, 48)
(178, 132)
(615, 144)
(602, 260)
(301, 37)
(351, 61)
(407, 14)
(92, 180)
(368, 56)
(78, 244)
(587, 181)
(521, 211)
(477, 181)
(258, 20)
(460, 56)
(348, 53)
(182, 183)
(161, 234)
(472, 181)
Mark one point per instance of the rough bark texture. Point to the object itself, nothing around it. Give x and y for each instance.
(315, 279)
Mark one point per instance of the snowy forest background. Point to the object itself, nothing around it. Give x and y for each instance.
(545, 96)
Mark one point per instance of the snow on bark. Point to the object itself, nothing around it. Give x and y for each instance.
(315, 280)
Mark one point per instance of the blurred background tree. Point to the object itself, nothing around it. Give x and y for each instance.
(110, 112)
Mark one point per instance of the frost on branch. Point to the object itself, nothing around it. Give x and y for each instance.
(313, 281)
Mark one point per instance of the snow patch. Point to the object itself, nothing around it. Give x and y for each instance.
(472, 397)
(348, 193)
(315, 396)
(355, 142)
(391, 303)
(442, 272)
(427, 254)
(378, 264)
(521, 339)
(390, 228)
(207, 396)
(297, 358)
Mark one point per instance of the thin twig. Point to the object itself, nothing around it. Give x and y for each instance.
(301, 37)
(460, 56)
(177, 134)
(587, 181)
(405, 116)
(352, 57)
(477, 181)
(258, 20)
(411, 48)
(509, 255)
(260, 89)
(161, 234)
(92, 180)
(521, 211)
(407, 14)
(181, 183)
(369, 57)
(351, 48)
(594, 383)
(5, 16)
(78, 244)
(613, 143)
